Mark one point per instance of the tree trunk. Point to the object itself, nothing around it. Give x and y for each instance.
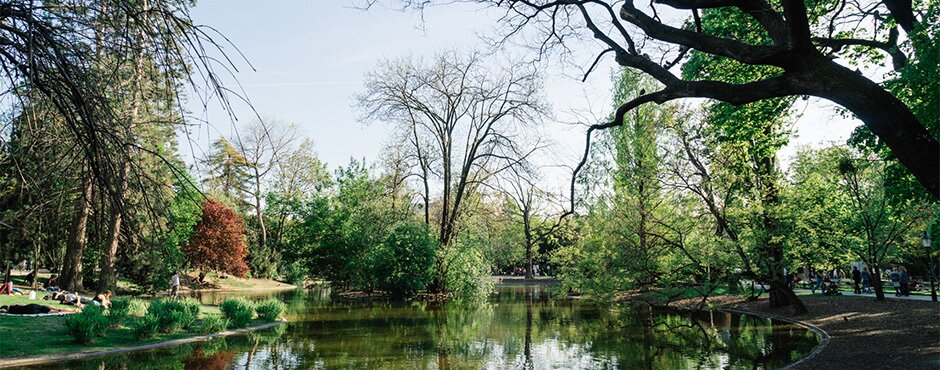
(877, 284)
(886, 116)
(785, 294)
(36, 244)
(108, 278)
(71, 277)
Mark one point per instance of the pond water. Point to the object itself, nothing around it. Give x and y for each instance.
(520, 328)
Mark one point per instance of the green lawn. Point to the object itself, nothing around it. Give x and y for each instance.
(33, 336)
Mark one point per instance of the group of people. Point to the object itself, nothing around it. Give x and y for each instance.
(828, 281)
(901, 281)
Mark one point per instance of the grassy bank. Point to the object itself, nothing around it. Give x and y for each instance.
(49, 335)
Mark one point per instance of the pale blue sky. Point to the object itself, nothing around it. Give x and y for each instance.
(311, 57)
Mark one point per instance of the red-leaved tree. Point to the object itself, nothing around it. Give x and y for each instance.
(218, 241)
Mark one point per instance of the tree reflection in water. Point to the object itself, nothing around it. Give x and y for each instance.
(520, 328)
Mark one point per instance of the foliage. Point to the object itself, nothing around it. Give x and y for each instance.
(213, 324)
(87, 325)
(270, 309)
(117, 313)
(173, 315)
(468, 273)
(237, 311)
(146, 327)
(218, 241)
(404, 263)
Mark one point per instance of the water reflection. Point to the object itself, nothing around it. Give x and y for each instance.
(520, 328)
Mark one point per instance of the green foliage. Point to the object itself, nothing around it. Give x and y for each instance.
(120, 308)
(295, 273)
(404, 263)
(468, 275)
(146, 327)
(213, 324)
(174, 315)
(87, 325)
(237, 311)
(270, 309)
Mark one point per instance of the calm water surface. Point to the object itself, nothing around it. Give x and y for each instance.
(520, 328)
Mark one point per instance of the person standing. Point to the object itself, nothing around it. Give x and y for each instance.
(905, 280)
(866, 280)
(175, 281)
(895, 282)
(856, 280)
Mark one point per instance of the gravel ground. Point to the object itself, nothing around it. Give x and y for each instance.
(867, 334)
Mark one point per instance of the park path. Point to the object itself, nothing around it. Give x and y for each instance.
(888, 295)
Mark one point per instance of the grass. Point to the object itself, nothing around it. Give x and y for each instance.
(6, 300)
(47, 335)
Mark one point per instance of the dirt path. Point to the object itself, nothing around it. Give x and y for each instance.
(866, 334)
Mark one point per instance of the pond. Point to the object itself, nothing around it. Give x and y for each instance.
(529, 327)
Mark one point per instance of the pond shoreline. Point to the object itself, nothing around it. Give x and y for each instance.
(864, 333)
(45, 359)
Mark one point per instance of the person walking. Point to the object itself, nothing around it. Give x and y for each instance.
(905, 280)
(895, 282)
(866, 280)
(175, 281)
(856, 280)
(819, 280)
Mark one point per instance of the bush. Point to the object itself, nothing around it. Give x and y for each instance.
(120, 308)
(88, 325)
(237, 311)
(213, 324)
(295, 273)
(404, 263)
(146, 327)
(270, 309)
(468, 277)
(173, 315)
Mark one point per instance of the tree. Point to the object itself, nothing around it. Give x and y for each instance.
(218, 241)
(799, 42)
(882, 223)
(262, 147)
(472, 113)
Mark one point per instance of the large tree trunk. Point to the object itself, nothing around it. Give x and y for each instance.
(108, 278)
(71, 277)
(886, 116)
(786, 295)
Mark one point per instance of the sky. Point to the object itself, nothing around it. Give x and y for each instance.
(310, 57)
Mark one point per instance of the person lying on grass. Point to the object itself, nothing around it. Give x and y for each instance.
(31, 309)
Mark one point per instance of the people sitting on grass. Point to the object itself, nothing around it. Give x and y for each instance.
(104, 299)
(52, 284)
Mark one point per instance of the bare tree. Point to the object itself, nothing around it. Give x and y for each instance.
(518, 183)
(471, 114)
(262, 147)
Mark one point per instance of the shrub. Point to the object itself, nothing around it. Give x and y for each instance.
(468, 277)
(270, 309)
(403, 263)
(120, 308)
(237, 311)
(213, 324)
(173, 315)
(87, 325)
(145, 327)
